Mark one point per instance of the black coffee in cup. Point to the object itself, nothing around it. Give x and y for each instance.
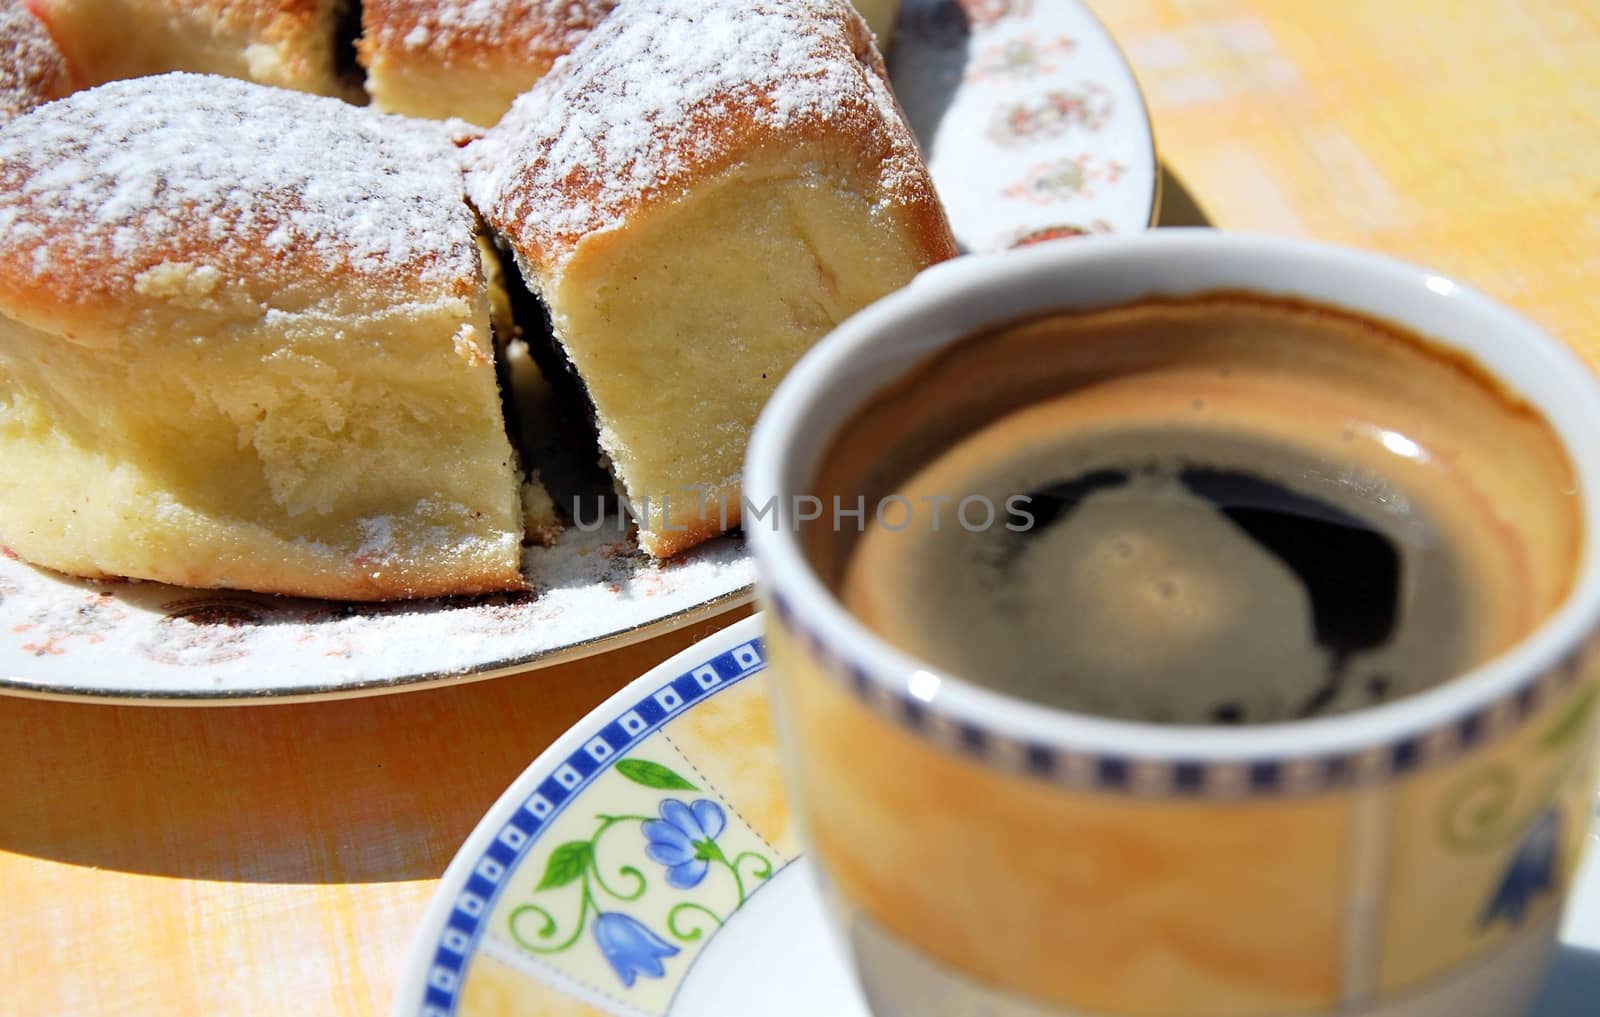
(1222, 509)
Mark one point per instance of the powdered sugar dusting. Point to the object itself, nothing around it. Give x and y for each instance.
(146, 639)
(377, 538)
(445, 26)
(247, 180)
(31, 68)
(667, 88)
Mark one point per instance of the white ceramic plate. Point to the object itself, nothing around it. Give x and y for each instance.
(590, 844)
(1034, 128)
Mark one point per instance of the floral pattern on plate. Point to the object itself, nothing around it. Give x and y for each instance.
(638, 888)
(1021, 58)
(1051, 115)
(1065, 180)
(613, 862)
(1031, 120)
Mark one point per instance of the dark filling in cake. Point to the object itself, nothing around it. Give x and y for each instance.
(346, 32)
(561, 437)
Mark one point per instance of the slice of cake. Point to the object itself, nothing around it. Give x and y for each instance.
(31, 68)
(245, 342)
(466, 58)
(471, 58)
(298, 44)
(698, 193)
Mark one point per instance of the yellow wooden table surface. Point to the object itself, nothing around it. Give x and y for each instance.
(276, 860)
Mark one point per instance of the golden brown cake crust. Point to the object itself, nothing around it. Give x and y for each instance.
(667, 92)
(469, 32)
(108, 193)
(769, 127)
(466, 58)
(667, 543)
(104, 40)
(268, 576)
(244, 343)
(32, 70)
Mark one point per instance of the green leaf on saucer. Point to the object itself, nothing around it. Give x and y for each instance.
(566, 864)
(642, 771)
(1573, 722)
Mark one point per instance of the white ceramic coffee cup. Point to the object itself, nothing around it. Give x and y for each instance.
(990, 855)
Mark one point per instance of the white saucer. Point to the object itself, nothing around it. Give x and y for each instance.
(698, 719)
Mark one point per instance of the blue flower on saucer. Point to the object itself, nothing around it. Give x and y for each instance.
(631, 948)
(1533, 870)
(684, 839)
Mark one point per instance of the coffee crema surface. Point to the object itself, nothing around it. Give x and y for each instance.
(1219, 509)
